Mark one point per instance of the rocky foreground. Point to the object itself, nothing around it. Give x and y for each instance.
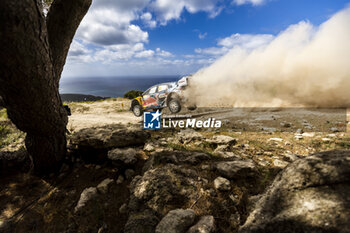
(124, 179)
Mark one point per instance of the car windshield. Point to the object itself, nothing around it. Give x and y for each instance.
(153, 90)
(162, 87)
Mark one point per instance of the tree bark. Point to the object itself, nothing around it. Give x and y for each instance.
(60, 32)
(29, 78)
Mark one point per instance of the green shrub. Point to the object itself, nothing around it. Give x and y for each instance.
(132, 94)
(3, 114)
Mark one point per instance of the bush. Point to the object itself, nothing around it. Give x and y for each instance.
(132, 94)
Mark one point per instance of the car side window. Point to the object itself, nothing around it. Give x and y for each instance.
(162, 88)
(152, 90)
(146, 92)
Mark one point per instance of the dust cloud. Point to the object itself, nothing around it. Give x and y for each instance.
(304, 65)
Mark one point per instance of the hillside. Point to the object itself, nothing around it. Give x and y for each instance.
(80, 98)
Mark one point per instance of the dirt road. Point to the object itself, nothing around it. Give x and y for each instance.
(100, 113)
(114, 111)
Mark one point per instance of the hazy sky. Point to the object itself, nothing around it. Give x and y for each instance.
(168, 37)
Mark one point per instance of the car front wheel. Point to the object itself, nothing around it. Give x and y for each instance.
(137, 110)
(174, 106)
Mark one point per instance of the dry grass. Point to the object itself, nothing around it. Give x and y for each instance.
(11, 138)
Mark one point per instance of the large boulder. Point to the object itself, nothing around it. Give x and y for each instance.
(85, 196)
(222, 140)
(236, 169)
(142, 222)
(188, 135)
(176, 157)
(160, 188)
(176, 221)
(206, 224)
(125, 156)
(159, 191)
(110, 136)
(310, 195)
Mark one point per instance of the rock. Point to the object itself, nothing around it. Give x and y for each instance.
(222, 148)
(298, 137)
(252, 200)
(161, 149)
(286, 124)
(290, 157)
(236, 169)
(224, 151)
(310, 135)
(85, 196)
(276, 139)
(222, 184)
(144, 222)
(14, 162)
(326, 139)
(299, 131)
(206, 224)
(188, 135)
(148, 147)
(335, 130)
(108, 137)
(123, 208)
(104, 185)
(176, 157)
(310, 195)
(228, 155)
(176, 221)
(310, 127)
(159, 188)
(235, 199)
(129, 173)
(235, 219)
(287, 143)
(269, 129)
(127, 156)
(222, 140)
(120, 179)
(307, 125)
(263, 162)
(195, 158)
(279, 163)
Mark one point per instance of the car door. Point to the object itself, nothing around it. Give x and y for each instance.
(162, 93)
(149, 97)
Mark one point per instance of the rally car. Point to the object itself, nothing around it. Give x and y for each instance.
(161, 96)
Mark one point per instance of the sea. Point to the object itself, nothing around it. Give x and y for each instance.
(111, 86)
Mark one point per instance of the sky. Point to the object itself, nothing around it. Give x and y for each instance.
(168, 37)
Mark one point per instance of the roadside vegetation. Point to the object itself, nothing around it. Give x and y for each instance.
(132, 94)
(10, 137)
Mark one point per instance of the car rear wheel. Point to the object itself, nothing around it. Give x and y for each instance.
(137, 110)
(174, 106)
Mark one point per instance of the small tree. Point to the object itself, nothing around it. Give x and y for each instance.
(33, 52)
(132, 94)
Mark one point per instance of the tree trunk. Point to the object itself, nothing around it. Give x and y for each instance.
(29, 77)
